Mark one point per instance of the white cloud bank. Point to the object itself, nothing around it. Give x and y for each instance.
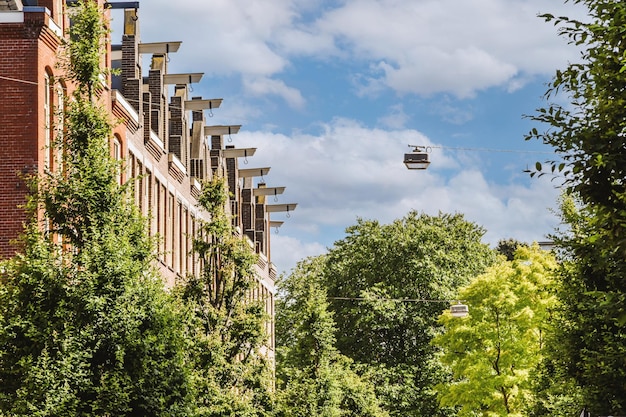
(349, 171)
(425, 47)
(346, 170)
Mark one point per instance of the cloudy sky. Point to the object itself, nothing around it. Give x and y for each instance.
(331, 93)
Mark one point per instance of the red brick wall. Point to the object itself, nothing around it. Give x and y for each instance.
(25, 52)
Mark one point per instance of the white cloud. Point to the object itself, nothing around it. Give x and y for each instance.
(396, 118)
(345, 169)
(348, 171)
(220, 36)
(261, 86)
(288, 251)
(426, 47)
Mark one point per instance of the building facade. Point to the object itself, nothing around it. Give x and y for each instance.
(167, 148)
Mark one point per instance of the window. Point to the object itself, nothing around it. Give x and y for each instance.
(194, 258)
(140, 191)
(117, 155)
(59, 130)
(176, 237)
(169, 232)
(47, 115)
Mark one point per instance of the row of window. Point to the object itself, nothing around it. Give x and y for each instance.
(175, 224)
(169, 218)
(54, 126)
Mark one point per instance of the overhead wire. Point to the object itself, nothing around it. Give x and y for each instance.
(429, 147)
(414, 300)
(154, 105)
(19, 81)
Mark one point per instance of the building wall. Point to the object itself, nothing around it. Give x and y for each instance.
(28, 47)
(164, 151)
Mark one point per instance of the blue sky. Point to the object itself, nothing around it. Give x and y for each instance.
(331, 93)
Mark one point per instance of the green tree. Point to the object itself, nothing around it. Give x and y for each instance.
(232, 374)
(86, 327)
(508, 247)
(589, 133)
(493, 353)
(419, 257)
(313, 378)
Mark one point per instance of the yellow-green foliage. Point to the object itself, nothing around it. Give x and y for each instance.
(494, 350)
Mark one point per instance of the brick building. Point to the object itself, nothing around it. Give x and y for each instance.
(163, 139)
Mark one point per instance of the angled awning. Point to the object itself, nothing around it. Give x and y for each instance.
(238, 152)
(159, 47)
(121, 5)
(268, 191)
(188, 78)
(221, 130)
(253, 172)
(275, 208)
(203, 104)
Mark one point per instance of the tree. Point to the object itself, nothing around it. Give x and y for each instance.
(86, 327)
(589, 133)
(313, 378)
(368, 274)
(232, 375)
(493, 353)
(508, 247)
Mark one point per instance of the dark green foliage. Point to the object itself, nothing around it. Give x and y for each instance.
(418, 257)
(590, 343)
(313, 378)
(86, 326)
(231, 374)
(507, 247)
(589, 133)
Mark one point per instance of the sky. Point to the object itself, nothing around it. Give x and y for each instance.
(332, 93)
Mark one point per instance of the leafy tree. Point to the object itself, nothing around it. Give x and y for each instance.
(420, 257)
(494, 352)
(86, 327)
(232, 373)
(313, 378)
(589, 133)
(508, 247)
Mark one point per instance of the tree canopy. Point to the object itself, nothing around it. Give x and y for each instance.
(494, 352)
(313, 378)
(86, 327)
(585, 119)
(367, 276)
(226, 328)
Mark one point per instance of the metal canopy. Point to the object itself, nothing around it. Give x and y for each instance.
(275, 208)
(210, 104)
(253, 172)
(221, 130)
(188, 78)
(121, 5)
(159, 47)
(238, 152)
(268, 191)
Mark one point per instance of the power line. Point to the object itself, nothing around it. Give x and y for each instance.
(19, 81)
(152, 105)
(399, 300)
(427, 148)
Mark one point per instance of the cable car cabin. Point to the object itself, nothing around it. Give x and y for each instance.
(459, 310)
